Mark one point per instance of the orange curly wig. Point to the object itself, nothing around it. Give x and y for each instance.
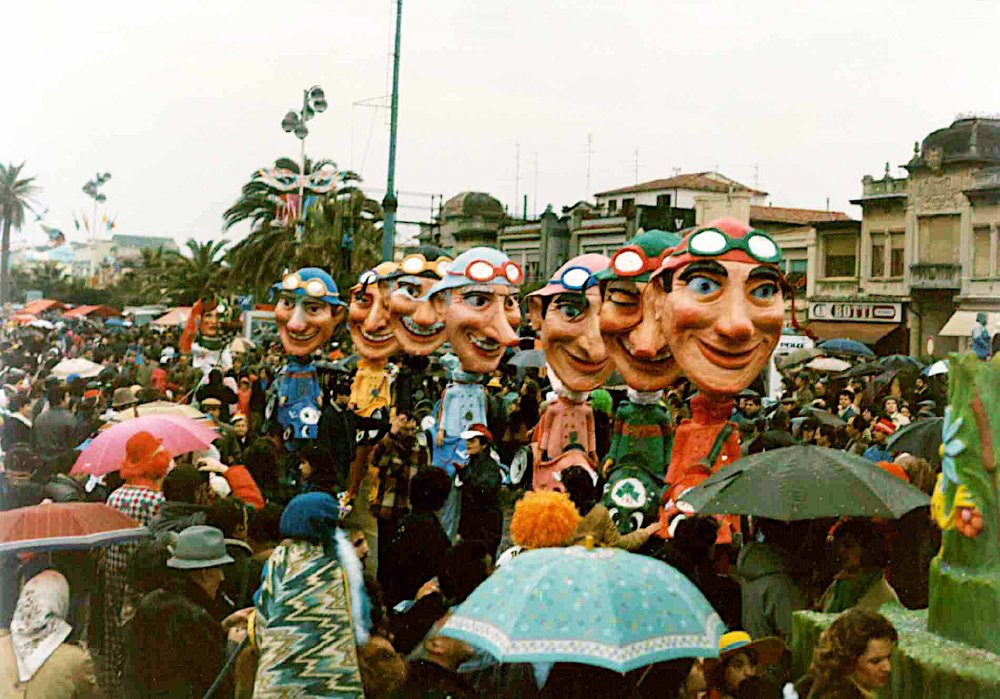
(543, 519)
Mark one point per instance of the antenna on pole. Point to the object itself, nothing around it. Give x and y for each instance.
(756, 177)
(517, 176)
(534, 197)
(590, 140)
(637, 164)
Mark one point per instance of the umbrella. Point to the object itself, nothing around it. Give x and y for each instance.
(900, 362)
(42, 324)
(84, 368)
(159, 407)
(529, 359)
(921, 438)
(938, 367)
(825, 417)
(115, 322)
(68, 526)
(805, 482)
(796, 357)
(603, 607)
(862, 370)
(106, 451)
(845, 346)
(828, 364)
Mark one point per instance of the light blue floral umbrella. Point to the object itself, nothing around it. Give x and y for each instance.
(603, 607)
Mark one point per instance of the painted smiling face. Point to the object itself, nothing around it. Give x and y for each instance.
(629, 327)
(413, 319)
(566, 313)
(723, 313)
(305, 324)
(209, 326)
(480, 322)
(368, 321)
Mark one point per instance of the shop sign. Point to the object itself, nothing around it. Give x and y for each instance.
(856, 312)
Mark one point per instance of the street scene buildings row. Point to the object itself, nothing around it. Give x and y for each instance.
(909, 277)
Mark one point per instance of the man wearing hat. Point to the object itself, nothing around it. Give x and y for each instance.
(482, 519)
(740, 658)
(200, 554)
(882, 429)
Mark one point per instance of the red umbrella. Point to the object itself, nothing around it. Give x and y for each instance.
(66, 526)
(106, 451)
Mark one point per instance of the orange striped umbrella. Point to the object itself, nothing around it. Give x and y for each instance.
(66, 526)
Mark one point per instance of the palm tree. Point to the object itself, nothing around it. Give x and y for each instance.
(259, 259)
(16, 194)
(189, 278)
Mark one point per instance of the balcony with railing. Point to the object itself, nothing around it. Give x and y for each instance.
(935, 275)
(885, 188)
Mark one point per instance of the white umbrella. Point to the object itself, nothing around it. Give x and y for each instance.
(84, 368)
(828, 364)
(159, 407)
(938, 367)
(43, 324)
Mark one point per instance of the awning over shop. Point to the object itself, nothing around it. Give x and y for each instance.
(868, 333)
(961, 322)
(173, 317)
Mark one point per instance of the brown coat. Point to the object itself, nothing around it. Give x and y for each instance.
(66, 674)
(599, 525)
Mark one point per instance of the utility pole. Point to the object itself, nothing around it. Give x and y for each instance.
(637, 164)
(389, 202)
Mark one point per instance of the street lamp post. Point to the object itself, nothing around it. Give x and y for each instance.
(313, 102)
(390, 203)
(92, 189)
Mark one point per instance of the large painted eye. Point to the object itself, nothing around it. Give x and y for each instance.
(571, 306)
(309, 415)
(636, 520)
(703, 286)
(615, 517)
(477, 299)
(765, 292)
(407, 287)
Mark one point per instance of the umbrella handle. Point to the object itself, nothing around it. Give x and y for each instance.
(225, 668)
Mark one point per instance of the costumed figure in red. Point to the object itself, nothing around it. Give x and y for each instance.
(565, 312)
(204, 338)
(720, 302)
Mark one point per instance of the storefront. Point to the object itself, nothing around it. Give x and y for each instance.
(881, 326)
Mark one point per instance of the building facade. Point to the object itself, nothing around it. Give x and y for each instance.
(928, 242)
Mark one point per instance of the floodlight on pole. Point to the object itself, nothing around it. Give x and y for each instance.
(313, 102)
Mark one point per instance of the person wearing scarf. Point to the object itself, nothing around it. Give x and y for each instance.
(35, 660)
(312, 612)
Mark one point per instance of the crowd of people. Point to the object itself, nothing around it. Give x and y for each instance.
(239, 525)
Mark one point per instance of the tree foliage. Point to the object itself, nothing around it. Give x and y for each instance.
(17, 195)
(259, 260)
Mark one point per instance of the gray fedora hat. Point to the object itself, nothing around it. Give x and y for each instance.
(199, 547)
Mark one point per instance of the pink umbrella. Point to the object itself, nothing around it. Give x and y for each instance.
(106, 452)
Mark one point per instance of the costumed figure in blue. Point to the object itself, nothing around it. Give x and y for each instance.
(477, 299)
(307, 311)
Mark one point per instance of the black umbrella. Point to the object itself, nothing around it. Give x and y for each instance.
(805, 482)
(900, 362)
(825, 417)
(921, 438)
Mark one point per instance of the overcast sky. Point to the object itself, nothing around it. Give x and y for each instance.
(182, 100)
